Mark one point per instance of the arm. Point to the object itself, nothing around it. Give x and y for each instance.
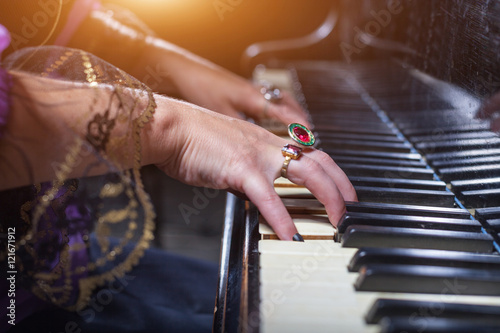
(171, 70)
(187, 142)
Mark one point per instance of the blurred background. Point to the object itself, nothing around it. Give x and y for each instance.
(220, 30)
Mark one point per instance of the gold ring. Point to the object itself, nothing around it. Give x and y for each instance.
(290, 152)
(301, 134)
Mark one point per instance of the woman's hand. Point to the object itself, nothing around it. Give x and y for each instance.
(196, 80)
(212, 150)
(187, 142)
(171, 70)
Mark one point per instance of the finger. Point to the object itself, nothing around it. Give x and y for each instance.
(309, 173)
(261, 192)
(228, 110)
(287, 115)
(336, 173)
(288, 111)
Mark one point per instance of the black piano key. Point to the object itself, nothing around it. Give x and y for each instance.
(342, 94)
(493, 225)
(401, 209)
(453, 136)
(359, 125)
(462, 154)
(408, 221)
(435, 325)
(330, 115)
(454, 145)
(313, 206)
(469, 172)
(356, 170)
(390, 147)
(483, 214)
(481, 198)
(405, 196)
(373, 236)
(324, 107)
(408, 105)
(354, 127)
(429, 130)
(379, 161)
(432, 185)
(477, 313)
(425, 117)
(474, 184)
(466, 162)
(423, 257)
(376, 154)
(303, 206)
(428, 279)
(364, 137)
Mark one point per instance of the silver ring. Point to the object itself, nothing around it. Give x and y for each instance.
(271, 93)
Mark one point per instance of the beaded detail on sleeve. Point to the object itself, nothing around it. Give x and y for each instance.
(56, 221)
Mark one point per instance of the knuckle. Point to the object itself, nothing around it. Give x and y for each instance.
(324, 158)
(313, 165)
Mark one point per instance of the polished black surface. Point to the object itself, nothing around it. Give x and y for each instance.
(357, 236)
(428, 279)
(426, 310)
(398, 256)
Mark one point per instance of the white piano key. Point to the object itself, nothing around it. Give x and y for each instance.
(312, 226)
(309, 246)
(327, 325)
(300, 293)
(293, 192)
(307, 261)
(284, 182)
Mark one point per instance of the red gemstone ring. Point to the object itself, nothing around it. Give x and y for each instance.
(301, 134)
(290, 152)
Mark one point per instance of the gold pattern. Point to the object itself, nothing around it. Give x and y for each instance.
(111, 190)
(56, 285)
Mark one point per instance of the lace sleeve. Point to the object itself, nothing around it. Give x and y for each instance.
(54, 221)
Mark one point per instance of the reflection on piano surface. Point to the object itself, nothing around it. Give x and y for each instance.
(409, 114)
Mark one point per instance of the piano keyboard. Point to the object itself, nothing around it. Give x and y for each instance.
(419, 251)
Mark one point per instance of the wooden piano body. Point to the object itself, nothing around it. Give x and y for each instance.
(406, 106)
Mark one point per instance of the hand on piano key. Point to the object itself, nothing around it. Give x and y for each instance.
(203, 83)
(222, 91)
(220, 152)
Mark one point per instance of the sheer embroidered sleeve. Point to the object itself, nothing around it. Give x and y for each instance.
(54, 222)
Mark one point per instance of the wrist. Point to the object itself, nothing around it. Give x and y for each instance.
(162, 137)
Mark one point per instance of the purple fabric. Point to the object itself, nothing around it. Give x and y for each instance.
(5, 81)
(4, 38)
(66, 228)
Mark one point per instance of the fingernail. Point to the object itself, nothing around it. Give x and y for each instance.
(298, 238)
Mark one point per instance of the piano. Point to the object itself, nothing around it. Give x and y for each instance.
(405, 103)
